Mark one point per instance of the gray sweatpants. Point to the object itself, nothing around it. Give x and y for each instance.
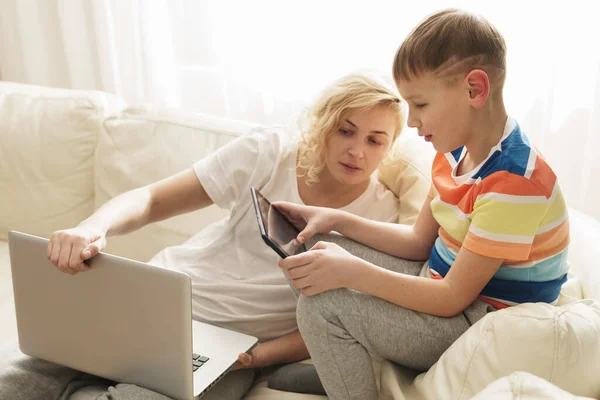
(27, 378)
(341, 327)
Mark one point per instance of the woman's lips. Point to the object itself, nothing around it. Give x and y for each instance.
(350, 168)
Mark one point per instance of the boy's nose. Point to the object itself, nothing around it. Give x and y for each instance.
(413, 122)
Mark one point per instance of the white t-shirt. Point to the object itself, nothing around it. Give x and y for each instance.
(236, 282)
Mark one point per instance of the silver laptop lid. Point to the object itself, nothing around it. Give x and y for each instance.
(123, 320)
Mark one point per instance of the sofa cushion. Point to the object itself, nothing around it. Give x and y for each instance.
(407, 173)
(47, 142)
(145, 144)
(584, 252)
(8, 321)
(524, 386)
(558, 344)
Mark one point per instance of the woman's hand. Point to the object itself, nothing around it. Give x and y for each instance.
(68, 249)
(309, 220)
(256, 358)
(325, 266)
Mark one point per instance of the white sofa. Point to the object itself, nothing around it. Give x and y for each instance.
(63, 153)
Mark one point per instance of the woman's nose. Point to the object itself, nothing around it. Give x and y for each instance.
(356, 150)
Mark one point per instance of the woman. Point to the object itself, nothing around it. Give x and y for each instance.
(236, 283)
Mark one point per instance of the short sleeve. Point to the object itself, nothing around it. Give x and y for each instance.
(504, 225)
(250, 160)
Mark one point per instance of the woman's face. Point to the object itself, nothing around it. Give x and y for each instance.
(361, 141)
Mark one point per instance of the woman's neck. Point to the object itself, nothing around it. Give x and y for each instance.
(328, 192)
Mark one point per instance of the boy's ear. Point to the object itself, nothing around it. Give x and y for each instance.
(479, 87)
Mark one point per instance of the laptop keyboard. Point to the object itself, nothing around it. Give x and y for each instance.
(198, 361)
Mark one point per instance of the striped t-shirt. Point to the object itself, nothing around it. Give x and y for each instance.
(509, 207)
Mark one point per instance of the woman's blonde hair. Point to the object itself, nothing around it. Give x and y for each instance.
(358, 91)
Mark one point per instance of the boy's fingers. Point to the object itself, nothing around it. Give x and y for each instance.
(319, 246)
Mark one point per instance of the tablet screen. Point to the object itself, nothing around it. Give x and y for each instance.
(277, 227)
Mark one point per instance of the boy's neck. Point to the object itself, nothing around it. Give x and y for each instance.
(487, 129)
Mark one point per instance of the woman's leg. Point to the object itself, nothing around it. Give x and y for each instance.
(340, 328)
(28, 378)
(233, 386)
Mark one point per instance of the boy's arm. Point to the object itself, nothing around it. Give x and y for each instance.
(446, 297)
(410, 242)
(283, 350)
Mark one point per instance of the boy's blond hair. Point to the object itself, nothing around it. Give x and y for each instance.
(449, 43)
(354, 92)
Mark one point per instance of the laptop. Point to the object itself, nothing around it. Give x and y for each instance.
(123, 320)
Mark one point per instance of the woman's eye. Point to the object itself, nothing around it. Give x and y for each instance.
(420, 105)
(373, 141)
(345, 132)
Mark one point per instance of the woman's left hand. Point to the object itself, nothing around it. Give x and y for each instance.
(254, 359)
(325, 266)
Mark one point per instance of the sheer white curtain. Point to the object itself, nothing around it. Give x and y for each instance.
(123, 47)
(263, 60)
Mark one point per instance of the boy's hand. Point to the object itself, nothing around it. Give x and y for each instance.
(309, 220)
(325, 266)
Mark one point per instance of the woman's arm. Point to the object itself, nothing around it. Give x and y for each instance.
(178, 194)
(136, 208)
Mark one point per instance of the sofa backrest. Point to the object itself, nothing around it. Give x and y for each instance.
(141, 145)
(47, 143)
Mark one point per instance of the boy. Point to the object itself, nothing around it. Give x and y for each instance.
(494, 227)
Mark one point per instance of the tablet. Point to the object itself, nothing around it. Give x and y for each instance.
(276, 230)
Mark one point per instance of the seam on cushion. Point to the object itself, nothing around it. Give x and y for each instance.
(84, 99)
(556, 343)
(485, 335)
(520, 384)
(36, 182)
(179, 124)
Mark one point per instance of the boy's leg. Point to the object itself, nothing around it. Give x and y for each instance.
(340, 328)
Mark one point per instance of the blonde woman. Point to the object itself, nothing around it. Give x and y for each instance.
(235, 279)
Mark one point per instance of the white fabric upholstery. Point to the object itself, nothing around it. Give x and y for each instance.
(524, 386)
(47, 143)
(584, 253)
(407, 172)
